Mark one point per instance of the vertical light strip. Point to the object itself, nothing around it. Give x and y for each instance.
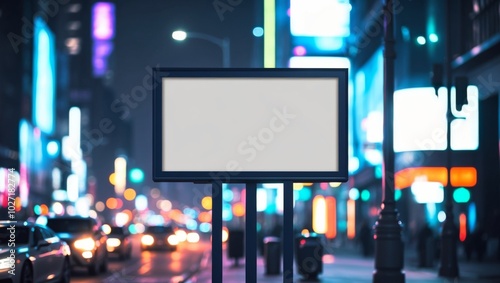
(319, 215)
(74, 129)
(120, 175)
(351, 219)
(462, 219)
(269, 34)
(331, 217)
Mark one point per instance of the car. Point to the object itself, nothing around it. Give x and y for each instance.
(159, 237)
(86, 240)
(120, 242)
(30, 252)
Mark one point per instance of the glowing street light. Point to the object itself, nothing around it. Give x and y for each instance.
(223, 43)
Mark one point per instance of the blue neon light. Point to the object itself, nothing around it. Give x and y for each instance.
(44, 72)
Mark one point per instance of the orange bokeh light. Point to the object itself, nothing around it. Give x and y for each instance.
(111, 203)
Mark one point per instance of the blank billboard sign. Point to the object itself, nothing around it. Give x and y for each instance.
(249, 125)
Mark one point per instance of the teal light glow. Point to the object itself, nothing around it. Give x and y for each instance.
(378, 172)
(53, 148)
(205, 227)
(227, 195)
(37, 209)
(461, 195)
(227, 214)
(132, 229)
(43, 77)
(397, 195)
(342, 226)
(472, 216)
(421, 40)
(191, 224)
(258, 31)
(329, 43)
(365, 195)
(354, 194)
(136, 175)
(433, 37)
(304, 194)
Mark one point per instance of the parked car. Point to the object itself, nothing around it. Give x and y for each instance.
(120, 242)
(159, 237)
(31, 252)
(86, 240)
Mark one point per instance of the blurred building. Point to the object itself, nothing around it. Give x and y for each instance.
(313, 34)
(419, 109)
(56, 104)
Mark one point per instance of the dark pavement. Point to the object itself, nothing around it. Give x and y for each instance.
(347, 265)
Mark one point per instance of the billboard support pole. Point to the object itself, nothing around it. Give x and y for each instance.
(389, 250)
(251, 233)
(217, 262)
(288, 236)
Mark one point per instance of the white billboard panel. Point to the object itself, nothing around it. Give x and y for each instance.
(250, 124)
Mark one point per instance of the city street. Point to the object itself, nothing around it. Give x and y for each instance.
(149, 266)
(346, 265)
(358, 141)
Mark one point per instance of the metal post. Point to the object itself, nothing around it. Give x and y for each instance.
(288, 236)
(389, 251)
(217, 261)
(251, 233)
(449, 235)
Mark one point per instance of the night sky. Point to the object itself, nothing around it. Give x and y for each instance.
(143, 40)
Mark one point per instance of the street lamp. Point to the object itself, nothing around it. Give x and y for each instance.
(389, 250)
(449, 234)
(223, 43)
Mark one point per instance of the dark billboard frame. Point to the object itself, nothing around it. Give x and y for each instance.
(221, 176)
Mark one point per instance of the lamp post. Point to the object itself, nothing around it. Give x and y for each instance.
(449, 235)
(223, 43)
(389, 252)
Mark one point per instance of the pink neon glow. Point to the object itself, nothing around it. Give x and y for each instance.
(103, 25)
(323, 186)
(299, 51)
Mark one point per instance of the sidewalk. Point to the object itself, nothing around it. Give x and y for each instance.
(349, 267)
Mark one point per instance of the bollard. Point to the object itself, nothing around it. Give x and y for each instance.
(309, 256)
(235, 245)
(272, 255)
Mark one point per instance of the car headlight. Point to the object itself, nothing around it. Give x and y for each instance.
(7, 263)
(85, 244)
(147, 240)
(113, 242)
(172, 240)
